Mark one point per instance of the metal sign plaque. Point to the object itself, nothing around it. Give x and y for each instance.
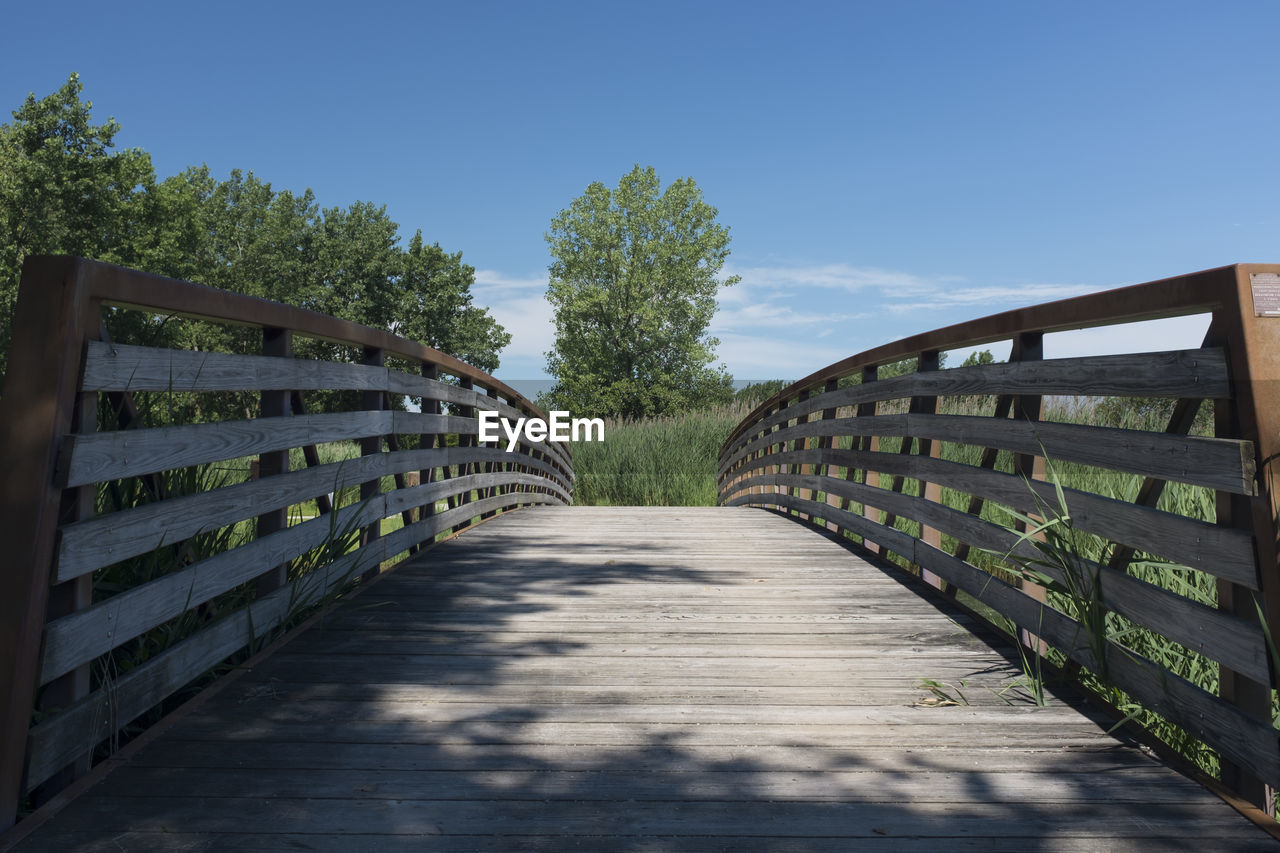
(1266, 293)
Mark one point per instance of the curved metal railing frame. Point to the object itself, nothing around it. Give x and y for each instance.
(54, 458)
(812, 451)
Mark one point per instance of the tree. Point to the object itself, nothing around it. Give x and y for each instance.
(435, 306)
(633, 284)
(63, 190)
(980, 357)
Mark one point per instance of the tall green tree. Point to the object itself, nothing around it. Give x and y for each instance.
(634, 277)
(64, 190)
(435, 306)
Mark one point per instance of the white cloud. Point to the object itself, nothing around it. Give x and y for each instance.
(788, 321)
(998, 298)
(518, 303)
(838, 276)
(494, 282)
(770, 315)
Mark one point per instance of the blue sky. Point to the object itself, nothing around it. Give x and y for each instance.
(884, 168)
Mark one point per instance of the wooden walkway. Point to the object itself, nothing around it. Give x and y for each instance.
(638, 679)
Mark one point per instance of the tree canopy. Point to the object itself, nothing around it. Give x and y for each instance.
(64, 190)
(633, 284)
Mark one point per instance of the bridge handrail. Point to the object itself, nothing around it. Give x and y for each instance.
(814, 452)
(60, 463)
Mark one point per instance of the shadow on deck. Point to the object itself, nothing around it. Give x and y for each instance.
(640, 679)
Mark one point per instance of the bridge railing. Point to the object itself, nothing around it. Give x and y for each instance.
(920, 465)
(141, 555)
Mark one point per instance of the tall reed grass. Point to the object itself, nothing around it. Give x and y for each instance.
(667, 461)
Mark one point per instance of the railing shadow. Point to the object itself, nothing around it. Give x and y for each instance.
(435, 712)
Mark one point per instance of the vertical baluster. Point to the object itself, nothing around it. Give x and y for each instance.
(1029, 346)
(868, 444)
(927, 404)
(464, 470)
(429, 441)
(826, 443)
(370, 490)
(277, 343)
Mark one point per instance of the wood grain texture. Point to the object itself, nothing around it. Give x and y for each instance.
(1201, 374)
(81, 636)
(631, 679)
(122, 367)
(1214, 463)
(1249, 741)
(1218, 635)
(91, 544)
(1220, 551)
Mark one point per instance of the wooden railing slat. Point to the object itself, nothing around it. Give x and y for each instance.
(1247, 740)
(1202, 629)
(1214, 463)
(1200, 373)
(92, 720)
(82, 636)
(61, 308)
(88, 545)
(1216, 550)
(120, 367)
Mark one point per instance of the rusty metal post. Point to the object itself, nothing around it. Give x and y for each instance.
(54, 317)
(67, 598)
(1248, 327)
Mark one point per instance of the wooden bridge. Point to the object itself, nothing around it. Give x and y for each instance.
(836, 658)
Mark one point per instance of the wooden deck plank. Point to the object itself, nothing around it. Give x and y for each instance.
(640, 679)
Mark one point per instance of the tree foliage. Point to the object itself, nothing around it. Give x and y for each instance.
(633, 283)
(64, 190)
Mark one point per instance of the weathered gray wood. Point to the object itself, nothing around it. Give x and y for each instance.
(1251, 743)
(627, 678)
(1201, 374)
(1220, 551)
(91, 544)
(120, 367)
(411, 385)
(1218, 635)
(90, 721)
(82, 636)
(727, 817)
(1025, 837)
(1214, 463)
(104, 456)
(1149, 784)
(691, 755)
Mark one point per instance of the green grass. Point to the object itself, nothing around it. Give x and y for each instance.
(669, 461)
